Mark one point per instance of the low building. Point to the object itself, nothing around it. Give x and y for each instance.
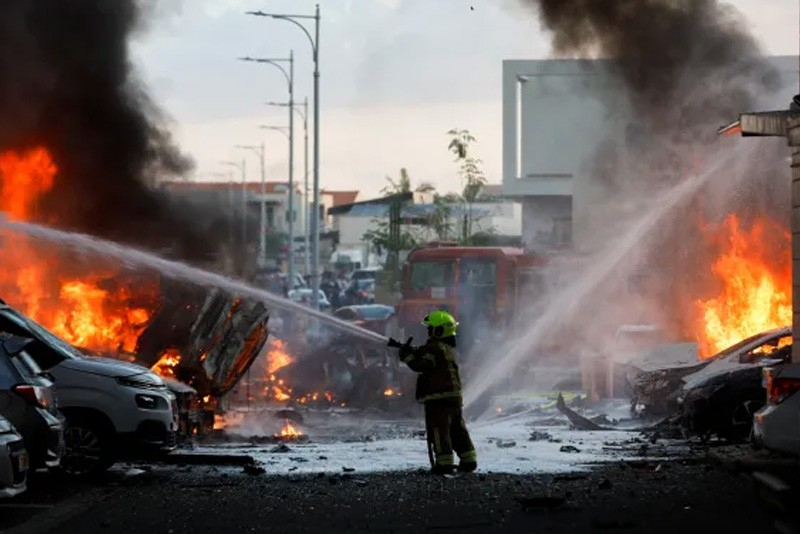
(489, 217)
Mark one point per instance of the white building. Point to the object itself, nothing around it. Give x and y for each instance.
(352, 221)
(555, 115)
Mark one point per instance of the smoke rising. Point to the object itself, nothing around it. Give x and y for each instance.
(682, 61)
(673, 71)
(68, 85)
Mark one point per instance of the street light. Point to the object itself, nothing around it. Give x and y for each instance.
(315, 49)
(242, 167)
(302, 109)
(262, 230)
(276, 62)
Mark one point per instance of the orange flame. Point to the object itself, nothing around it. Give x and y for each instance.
(389, 392)
(277, 357)
(754, 273)
(166, 364)
(95, 311)
(288, 431)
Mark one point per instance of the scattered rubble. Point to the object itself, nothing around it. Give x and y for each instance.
(537, 435)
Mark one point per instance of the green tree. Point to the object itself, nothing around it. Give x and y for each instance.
(403, 185)
(472, 177)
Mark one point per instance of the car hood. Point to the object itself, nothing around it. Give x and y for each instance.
(720, 368)
(105, 367)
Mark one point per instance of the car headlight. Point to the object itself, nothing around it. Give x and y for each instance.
(142, 381)
(5, 426)
(151, 402)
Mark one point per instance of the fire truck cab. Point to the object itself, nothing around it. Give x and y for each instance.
(483, 287)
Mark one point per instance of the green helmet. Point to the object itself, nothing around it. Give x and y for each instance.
(441, 323)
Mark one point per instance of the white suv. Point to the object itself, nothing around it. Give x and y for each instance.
(114, 409)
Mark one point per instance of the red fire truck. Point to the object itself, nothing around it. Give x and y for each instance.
(484, 287)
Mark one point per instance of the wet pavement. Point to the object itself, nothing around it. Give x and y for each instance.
(688, 495)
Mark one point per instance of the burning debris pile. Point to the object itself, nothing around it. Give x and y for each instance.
(335, 376)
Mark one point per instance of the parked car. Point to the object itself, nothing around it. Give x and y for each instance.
(655, 392)
(14, 461)
(360, 291)
(373, 317)
(368, 273)
(303, 296)
(724, 402)
(113, 409)
(777, 425)
(28, 401)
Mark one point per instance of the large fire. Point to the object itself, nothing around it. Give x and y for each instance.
(89, 308)
(755, 280)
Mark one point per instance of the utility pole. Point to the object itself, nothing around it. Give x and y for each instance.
(315, 46)
(302, 109)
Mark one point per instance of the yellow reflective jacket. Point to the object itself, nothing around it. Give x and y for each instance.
(438, 371)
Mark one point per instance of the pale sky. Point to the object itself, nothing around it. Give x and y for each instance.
(396, 75)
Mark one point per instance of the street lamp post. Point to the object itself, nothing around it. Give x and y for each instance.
(262, 227)
(315, 45)
(276, 62)
(302, 109)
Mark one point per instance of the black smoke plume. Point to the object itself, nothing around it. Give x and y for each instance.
(67, 83)
(679, 69)
(682, 61)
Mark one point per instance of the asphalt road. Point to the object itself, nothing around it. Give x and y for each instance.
(632, 497)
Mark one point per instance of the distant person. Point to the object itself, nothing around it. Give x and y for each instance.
(439, 390)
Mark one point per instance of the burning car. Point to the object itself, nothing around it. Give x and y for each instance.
(723, 401)
(656, 387)
(343, 373)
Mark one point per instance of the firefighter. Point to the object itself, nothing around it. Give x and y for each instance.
(439, 390)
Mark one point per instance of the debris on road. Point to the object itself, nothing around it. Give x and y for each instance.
(207, 459)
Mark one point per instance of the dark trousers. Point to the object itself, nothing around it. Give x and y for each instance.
(447, 430)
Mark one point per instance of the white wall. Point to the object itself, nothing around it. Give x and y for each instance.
(554, 116)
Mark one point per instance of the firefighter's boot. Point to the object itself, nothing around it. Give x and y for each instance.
(467, 467)
(443, 469)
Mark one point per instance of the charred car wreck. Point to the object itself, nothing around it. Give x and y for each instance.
(714, 397)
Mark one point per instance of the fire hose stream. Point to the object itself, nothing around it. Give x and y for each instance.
(84, 242)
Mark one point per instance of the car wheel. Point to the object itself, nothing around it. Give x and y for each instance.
(87, 448)
(741, 425)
